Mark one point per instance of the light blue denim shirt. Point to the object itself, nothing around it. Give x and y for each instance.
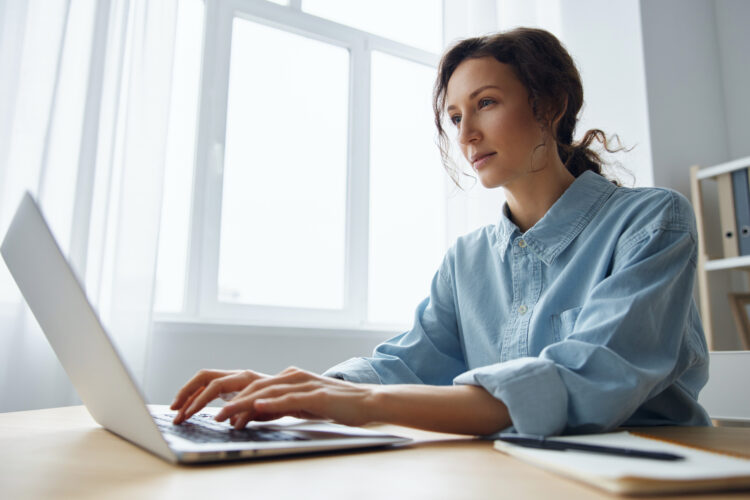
(581, 324)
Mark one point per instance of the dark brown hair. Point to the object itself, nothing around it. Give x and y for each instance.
(551, 78)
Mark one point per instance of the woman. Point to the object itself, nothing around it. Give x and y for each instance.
(573, 313)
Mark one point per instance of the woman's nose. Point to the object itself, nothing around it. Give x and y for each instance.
(468, 132)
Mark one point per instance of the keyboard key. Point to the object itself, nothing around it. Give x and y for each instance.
(202, 428)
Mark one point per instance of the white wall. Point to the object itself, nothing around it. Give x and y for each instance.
(179, 350)
(685, 96)
(732, 17)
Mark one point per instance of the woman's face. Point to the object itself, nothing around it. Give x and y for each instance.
(495, 126)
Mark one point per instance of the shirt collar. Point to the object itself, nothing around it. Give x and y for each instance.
(565, 219)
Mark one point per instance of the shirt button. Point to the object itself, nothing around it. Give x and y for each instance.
(523, 309)
(522, 243)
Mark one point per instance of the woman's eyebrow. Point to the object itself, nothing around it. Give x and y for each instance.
(475, 93)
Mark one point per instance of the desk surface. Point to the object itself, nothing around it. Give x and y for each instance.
(63, 453)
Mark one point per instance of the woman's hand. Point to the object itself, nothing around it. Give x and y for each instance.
(298, 393)
(207, 385)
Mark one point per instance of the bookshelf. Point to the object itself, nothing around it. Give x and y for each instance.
(710, 263)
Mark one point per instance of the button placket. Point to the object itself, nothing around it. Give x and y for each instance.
(510, 335)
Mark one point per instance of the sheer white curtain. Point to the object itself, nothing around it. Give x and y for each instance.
(84, 106)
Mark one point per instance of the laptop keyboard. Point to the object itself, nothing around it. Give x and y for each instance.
(202, 428)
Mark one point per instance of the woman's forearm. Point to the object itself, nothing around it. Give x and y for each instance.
(460, 409)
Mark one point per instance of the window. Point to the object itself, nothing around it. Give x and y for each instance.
(317, 196)
(407, 196)
(283, 217)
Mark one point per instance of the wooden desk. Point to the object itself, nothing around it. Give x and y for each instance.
(63, 453)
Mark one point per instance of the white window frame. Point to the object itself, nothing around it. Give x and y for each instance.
(201, 290)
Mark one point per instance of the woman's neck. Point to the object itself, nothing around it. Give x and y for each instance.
(530, 197)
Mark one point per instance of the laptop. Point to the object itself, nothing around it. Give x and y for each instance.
(107, 388)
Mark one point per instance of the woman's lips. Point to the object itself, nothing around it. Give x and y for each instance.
(480, 160)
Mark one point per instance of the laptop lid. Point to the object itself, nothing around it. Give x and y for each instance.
(72, 327)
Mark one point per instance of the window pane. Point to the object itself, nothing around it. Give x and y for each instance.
(416, 22)
(178, 169)
(407, 190)
(284, 200)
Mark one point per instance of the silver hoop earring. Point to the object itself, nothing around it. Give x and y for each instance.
(533, 153)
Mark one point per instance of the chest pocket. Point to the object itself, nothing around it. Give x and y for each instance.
(563, 323)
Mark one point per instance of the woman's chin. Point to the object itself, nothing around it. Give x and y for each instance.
(489, 181)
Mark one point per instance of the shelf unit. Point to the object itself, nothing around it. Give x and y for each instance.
(706, 263)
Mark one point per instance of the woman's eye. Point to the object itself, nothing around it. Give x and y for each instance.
(456, 119)
(485, 102)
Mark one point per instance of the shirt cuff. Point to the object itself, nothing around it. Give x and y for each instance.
(531, 388)
(354, 370)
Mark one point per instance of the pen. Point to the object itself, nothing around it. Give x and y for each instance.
(529, 441)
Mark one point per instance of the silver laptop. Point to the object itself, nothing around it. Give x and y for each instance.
(108, 390)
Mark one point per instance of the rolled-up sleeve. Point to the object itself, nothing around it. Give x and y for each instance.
(429, 353)
(631, 340)
(354, 370)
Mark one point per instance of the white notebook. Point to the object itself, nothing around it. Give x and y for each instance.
(701, 470)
